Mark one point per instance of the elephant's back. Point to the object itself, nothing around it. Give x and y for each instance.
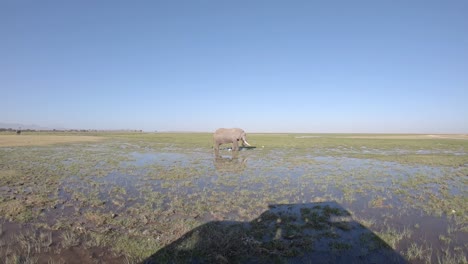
(220, 130)
(223, 131)
(225, 135)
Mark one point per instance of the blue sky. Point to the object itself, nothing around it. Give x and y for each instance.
(265, 66)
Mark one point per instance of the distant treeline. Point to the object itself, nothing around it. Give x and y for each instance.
(65, 130)
(52, 130)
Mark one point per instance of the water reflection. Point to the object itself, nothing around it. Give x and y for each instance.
(232, 163)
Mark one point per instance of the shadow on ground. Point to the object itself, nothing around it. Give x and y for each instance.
(286, 233)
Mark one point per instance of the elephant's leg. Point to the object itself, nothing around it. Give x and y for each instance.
(216, 146)
(235, 145)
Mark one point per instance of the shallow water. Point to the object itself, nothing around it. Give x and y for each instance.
(167, 184)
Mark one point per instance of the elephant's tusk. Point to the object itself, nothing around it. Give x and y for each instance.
(247, 143)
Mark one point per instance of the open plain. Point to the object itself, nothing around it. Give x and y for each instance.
(295, 198)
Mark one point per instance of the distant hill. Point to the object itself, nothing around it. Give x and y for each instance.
(25, 126)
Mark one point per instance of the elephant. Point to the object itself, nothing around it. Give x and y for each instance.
(229, 135)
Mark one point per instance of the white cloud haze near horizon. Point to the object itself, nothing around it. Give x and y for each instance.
(302, 66)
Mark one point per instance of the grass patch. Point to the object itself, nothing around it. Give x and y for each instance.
(43, 140)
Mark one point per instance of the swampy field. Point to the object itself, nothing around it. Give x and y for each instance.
(295, 198)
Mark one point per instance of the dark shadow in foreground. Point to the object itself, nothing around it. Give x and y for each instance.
(286, 233)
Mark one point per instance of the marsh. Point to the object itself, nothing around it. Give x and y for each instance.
(125, 197)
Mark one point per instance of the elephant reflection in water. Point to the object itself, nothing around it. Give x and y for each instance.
(232, 163)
